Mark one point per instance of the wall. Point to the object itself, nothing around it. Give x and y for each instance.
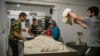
(29, 7)
(52, 2)
(3, 29)
(68, 33)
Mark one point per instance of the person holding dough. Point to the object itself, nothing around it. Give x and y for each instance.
(92, 24)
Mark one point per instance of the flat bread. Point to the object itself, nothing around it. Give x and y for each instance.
(65, 17)
(42, 44)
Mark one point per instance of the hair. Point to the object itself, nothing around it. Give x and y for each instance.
(22, 14)
(12, 20)
(34, 19)
(94, 9)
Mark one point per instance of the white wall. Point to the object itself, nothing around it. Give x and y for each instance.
(28, 7)
(68, 33)
(52, 2)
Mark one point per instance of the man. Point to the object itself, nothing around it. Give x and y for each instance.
(92, 23)
(15, 31)
(33, 28)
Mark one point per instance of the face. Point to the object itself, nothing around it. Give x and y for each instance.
(35, 21)
(90, 14)
(51, 25)
(23, 18)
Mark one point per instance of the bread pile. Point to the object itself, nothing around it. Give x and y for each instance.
(42, 44)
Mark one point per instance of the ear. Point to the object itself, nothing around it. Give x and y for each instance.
(93, 14)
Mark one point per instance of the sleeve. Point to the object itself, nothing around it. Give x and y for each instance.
(30, 27)
(86, 20)
(56, 33)
(16, 27)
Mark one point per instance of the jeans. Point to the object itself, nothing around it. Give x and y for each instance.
(14, 46)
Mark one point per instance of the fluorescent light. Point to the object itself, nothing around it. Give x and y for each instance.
(18, 5)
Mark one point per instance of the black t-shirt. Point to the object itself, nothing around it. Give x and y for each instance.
(34, 29)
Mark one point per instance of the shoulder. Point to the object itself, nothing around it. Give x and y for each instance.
(16, 21)
(56, 28)
(86, 18)
(32, 25)
(96, 17)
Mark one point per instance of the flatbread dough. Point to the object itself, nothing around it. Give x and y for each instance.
(42, 44)
(65, 17)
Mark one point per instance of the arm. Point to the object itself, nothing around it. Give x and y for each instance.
(23, 30)
(75, 16)
(16, 26)
(81, 24)
(18, 36)
(29, 31)
(78, 19)
(56, 33)
(43, 32)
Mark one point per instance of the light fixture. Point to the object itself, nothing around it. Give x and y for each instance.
(18, 5)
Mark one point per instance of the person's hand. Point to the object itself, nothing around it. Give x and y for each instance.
(51, 36)
(24, 39)
(43, 32)
(48, 35)
(33, 36)
(23, 30)
(75, 21)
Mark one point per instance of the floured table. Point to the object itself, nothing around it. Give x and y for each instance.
(46, 46)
